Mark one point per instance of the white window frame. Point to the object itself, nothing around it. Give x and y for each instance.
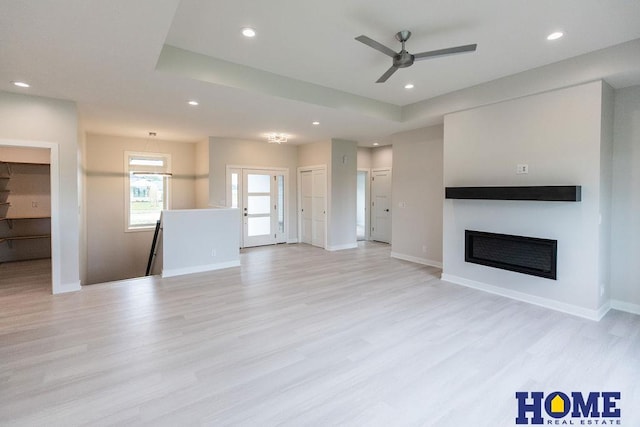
(128, 169)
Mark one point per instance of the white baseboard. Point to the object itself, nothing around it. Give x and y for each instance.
(423, 261)
(342, 247)
(67, 287)
(531, 299)
(625, 306)
(199, 268)
(292, 241)
(603, 310)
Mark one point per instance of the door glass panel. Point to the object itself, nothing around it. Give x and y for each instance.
(258, 183)
(258, 226)
(258, 205)
(234, 190)
(280, 182)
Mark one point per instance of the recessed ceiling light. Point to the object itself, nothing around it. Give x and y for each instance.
(248, 32)
(316, 123)
(408, 86)
(375, 144)
(21, 84)
(555, 36)
(193, 103)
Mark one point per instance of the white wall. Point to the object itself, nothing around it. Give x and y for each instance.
(198, 240)
(606, 189)
(625, 248)
(82, 195)
(315, 154)
(558, 134)
(342, 201)
(113, 253)
(25, 154)
(202, 174)
(364, 157)
(417, 196)
(382, 157)
(238, 152)
(30, 118)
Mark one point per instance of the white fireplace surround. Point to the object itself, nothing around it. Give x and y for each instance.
(565, 137)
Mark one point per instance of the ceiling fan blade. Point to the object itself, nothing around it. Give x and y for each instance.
(387, 74)
(444, 52)
(377, 46)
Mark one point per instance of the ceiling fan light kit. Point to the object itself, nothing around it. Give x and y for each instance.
(405, 59)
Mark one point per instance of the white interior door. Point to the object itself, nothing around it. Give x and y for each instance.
(306, 209)
(262, 207)
(313, 210)
(362, 204)
(381, 205)
(319, 207)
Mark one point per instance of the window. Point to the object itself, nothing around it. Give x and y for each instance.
(147, 188)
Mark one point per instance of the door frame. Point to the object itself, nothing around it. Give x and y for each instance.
(299, 196)
(367, 203)
(54, 176)
(277, 171)
(373, 170)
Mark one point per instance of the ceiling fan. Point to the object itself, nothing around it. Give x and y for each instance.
(403, 58)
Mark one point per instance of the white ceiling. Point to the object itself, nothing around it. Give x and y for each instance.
(304, 64)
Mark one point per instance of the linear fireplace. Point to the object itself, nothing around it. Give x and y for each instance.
(528, 255)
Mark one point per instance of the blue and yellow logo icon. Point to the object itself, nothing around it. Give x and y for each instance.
(599, 407)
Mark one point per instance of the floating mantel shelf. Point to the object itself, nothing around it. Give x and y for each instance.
(551, 193)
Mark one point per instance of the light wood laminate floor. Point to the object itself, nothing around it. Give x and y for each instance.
(302, 337)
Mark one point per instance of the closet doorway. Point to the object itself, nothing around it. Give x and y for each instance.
(29, 223)
(312, 205)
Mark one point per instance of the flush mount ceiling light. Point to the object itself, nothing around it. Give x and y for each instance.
(408, 86)
(194, 103)
(248, 32)
(375, 144)
(555, 35)
(316, 123)
(277, 138)
(21, 84)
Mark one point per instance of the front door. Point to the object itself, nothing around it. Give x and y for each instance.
(381, 205)
(262, 207)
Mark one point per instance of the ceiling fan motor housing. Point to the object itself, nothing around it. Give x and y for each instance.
(403, 59)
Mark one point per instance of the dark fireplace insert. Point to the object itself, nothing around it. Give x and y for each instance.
(528, 255)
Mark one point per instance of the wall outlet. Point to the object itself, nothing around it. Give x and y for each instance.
(214, 252)
(424, 249)
(601, 290)
(522, 169)
(34, 204)
(402, 205)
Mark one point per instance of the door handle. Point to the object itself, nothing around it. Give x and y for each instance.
(245, 214)
(386, 210)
